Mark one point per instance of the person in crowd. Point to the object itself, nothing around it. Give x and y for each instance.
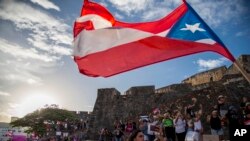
(180, 127)
(197, 120)
(129, 127)
(158, 127)
(247, 114)
(188, 118)
(153, 128)
(168, 126)
(150, 132)
(234, 121)
(103, 134)
(134, 125)
(136, 135)
(143, 126)
(116, 123)
(246, 120)
(215, 124)
(87, 124)
(222, 106)
(118, 134)
(243, 102)
(198, 125)
(189, 110)
(123, 126)
(191, 134)
(82, 135)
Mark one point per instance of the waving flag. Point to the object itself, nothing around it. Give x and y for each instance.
(104, 46)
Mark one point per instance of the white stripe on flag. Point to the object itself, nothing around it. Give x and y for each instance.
(92, 41)
(206, 41)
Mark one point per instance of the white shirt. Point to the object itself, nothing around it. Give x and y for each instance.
(180, 125)
(197, 125)
(152, 132)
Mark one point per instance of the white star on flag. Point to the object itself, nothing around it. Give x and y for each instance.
(193, 28)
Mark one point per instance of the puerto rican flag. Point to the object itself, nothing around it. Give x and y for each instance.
(104, 46)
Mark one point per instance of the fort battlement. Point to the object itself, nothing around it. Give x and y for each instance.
(217, 74)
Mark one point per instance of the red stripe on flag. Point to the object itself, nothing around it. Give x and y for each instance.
(79, 26)
(140, 53)
(157, 26)
(94, 8)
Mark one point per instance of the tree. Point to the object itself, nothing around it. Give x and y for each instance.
(38, 121)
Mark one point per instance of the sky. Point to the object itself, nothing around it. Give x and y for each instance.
(36, 65)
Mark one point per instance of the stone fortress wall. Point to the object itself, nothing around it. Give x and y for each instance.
(217, 73)
(207, 76)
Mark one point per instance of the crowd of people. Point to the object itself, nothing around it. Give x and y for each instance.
(186, 125)
(64, 131)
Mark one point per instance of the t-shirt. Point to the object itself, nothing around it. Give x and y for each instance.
(153, 128)
(197, 125)
(222, 109)
(167, 122)
(180, 125)
(150, 132)
(215, 123)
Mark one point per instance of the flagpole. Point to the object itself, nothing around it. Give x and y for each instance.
(243, 72)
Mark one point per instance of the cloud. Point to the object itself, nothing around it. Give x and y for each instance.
(23, 77)
(23, 71)
(22, 52)
(13, 105)
(148, 9)
(38, 48)
(22, 64)
(45, 32)
(4, 93)
(46, 4)
(243, 33)
(214, 12)
(103, 3)
(129, 6)
(118, 16)
(48, 39)
(210, 64)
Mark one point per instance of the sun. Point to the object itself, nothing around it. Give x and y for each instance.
(33, 102)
